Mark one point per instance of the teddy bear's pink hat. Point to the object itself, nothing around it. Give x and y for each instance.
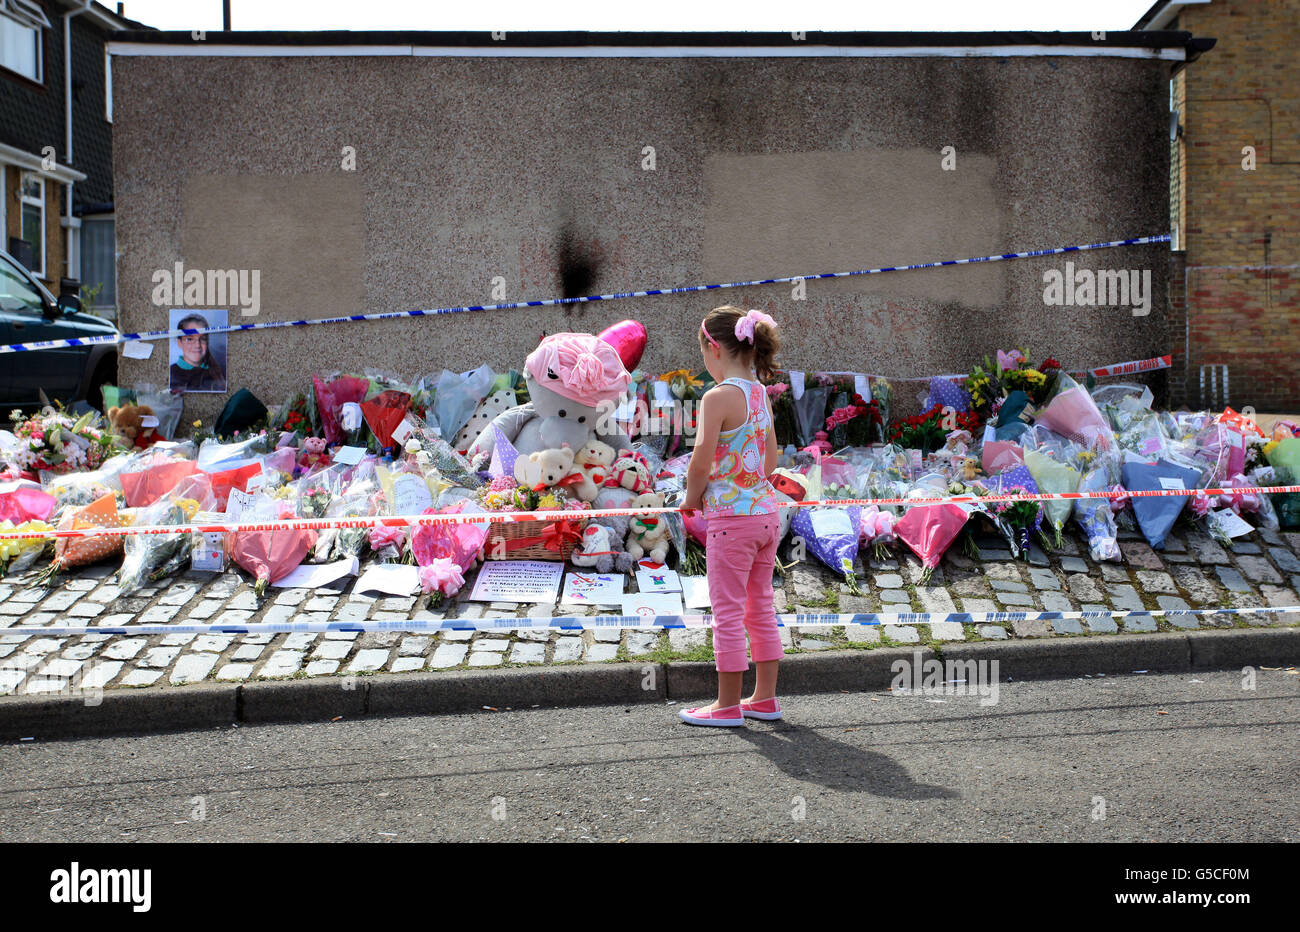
(588, 370)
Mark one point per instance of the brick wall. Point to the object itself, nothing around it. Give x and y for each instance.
(1242, 227)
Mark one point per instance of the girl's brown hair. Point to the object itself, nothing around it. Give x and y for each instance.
(720, 323)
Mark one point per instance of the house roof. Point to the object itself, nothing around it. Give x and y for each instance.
(102, 15)
(1178, 46)
(1163, 12)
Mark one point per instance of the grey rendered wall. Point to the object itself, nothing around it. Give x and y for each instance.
(469, 169)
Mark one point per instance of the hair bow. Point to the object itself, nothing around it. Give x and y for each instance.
(745, 326)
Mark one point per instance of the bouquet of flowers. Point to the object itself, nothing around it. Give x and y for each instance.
(984, 386)
(154, 473)
(1014, 520)
(330, 395)
(929, 530)
(150, 557)
(782, 400)
(1095, 516)
(56, 442)
(22, 500)
(1051, 475)
(269, 554)
(1071, 412)
(355, 492)
(294, 417)
(445, 552)
(82, 551)
(877, 529)
(831, 534)
(18, 555)
(1156, 516)
(922, 432)
(860, 421)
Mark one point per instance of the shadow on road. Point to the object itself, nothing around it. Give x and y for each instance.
(804, 754)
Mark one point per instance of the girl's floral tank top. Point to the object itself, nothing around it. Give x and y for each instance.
(737, 485)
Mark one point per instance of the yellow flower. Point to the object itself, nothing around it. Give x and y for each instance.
(1033, 375)
(198, 423)
(1270, 447)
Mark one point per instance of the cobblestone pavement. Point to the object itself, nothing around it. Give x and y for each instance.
(1192, 572)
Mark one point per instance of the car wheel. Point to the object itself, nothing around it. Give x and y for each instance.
(105, 374)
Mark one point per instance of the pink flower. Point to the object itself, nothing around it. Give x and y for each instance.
(381, 537)
(1118, 504)
(442, 575)
(777, 390)
(1007, 361)
(1202, 503)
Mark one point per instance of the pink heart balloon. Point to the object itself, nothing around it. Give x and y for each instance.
(628, 337)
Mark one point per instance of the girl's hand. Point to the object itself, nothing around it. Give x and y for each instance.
(691, 508)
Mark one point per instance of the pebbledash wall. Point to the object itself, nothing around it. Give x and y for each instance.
(376, 172)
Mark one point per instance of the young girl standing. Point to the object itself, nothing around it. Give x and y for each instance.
(735, 451)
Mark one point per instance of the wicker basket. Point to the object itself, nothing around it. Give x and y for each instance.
(505, 540)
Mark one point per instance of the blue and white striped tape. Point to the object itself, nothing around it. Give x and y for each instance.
(685, 289)
(658, 622)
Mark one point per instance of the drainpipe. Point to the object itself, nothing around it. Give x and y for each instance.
(67, 134)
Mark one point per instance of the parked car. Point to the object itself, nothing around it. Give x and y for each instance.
(28, 312)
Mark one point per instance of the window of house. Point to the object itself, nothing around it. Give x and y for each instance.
(21, 22)
(108, 86)
(32, 191)
(98, 260)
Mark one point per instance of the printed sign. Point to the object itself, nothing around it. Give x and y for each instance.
(518, 581)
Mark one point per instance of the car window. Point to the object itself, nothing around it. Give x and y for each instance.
(16, 292)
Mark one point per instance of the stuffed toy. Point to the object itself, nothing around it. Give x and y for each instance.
(630, 471)
(598, 551)
(574, 381)
(970, 469)
(494, 404)
(648, 534)
(543, 469)
(313, 455)
(592, 464)
(127, 423)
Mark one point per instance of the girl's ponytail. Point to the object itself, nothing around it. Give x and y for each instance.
(766, 345)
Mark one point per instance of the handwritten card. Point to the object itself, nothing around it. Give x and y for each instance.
(656, 577)
(648, 605)
(518, 581)
(592, 589)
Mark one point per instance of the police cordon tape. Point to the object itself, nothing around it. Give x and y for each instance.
(550, 302)
(657, 622)
(1131, 367)
(483, 517)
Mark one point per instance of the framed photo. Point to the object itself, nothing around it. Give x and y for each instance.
(198, 361)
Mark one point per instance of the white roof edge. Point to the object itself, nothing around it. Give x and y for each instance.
(14, 156)
(813, 51)
(1169, 12)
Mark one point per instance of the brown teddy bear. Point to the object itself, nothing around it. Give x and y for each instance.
(127, 422)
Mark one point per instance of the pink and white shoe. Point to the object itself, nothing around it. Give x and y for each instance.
(769, 710)
(726, 718)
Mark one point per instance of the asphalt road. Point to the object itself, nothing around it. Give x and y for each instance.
(1045, 763)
